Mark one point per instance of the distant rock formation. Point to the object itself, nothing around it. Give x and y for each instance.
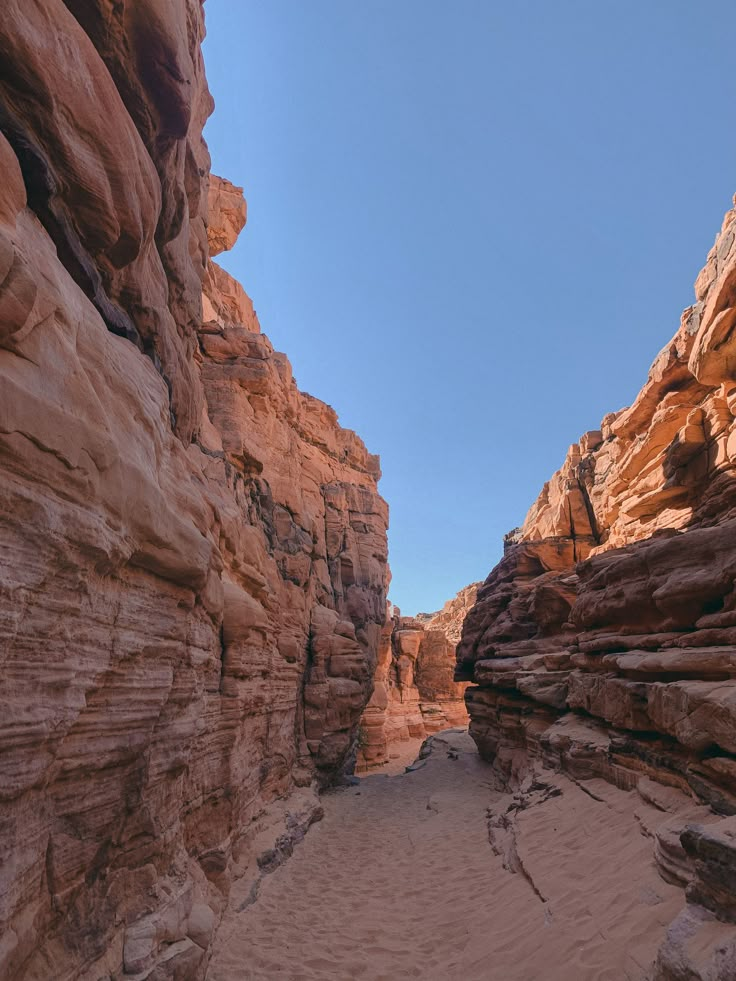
(192, 552)
(414, 693)
(604, 642)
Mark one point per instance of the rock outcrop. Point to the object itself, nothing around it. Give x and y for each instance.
(604, 642)
(414, 693)
(192, 552)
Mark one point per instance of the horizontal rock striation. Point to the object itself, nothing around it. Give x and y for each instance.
(604, 642)
(192, 552)
(414, 693)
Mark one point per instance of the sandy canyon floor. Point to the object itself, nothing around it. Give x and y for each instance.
(401, 880)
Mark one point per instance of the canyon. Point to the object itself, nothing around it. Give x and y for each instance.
(196, 646)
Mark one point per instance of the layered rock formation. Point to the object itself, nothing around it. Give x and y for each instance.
(604, 642)
(414, 693)
(192, 552)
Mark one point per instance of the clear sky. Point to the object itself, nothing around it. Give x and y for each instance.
(472, 225)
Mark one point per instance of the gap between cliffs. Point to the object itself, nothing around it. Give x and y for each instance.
(195, 637)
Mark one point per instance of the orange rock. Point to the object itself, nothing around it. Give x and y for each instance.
(227, 215)
(414, 692)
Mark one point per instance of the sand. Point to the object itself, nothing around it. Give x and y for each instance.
(400, 880)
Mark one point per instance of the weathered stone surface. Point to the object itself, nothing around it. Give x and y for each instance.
(227, 214)
(118, 176)
(192, 552)
(613, 611)
(414, 693)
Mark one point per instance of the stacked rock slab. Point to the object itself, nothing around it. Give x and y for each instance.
(192, 552)
(414, 693)
(604, 642)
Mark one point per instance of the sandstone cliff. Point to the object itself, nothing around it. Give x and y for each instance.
(604, 642)
(192, 552)
(414, 693)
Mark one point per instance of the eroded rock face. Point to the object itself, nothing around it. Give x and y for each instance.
(192, 552)
(414, 693)
(604, 641)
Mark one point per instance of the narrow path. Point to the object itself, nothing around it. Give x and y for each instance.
(400, 880)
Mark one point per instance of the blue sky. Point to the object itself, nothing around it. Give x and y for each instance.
(472, 225)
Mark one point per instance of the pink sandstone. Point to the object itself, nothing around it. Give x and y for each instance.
(603, 642)
(414, 694)
(192, 551)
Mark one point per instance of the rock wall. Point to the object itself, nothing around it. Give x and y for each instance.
(414, 693)
(192, 552)
(604, 642)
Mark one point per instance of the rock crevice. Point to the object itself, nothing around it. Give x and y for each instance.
(414, 693)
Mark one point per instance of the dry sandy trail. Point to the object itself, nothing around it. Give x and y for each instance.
(400, 881)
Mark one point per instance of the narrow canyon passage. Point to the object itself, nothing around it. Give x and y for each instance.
(196, 632)
(400, 880)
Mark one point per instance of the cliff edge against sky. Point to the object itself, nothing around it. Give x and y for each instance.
(604, 642)
(192, 552)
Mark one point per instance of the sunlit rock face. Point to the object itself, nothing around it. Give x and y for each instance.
(192, 552)
(604, 642)
(414, 693)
